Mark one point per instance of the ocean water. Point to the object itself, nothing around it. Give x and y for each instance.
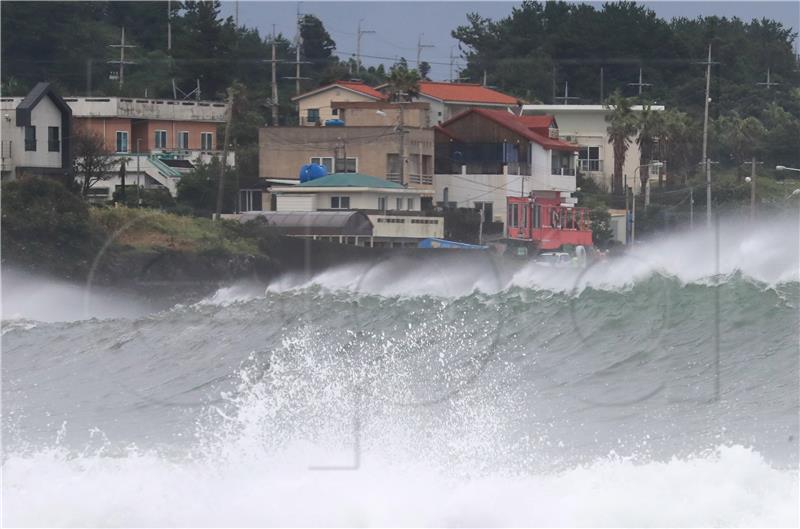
(657, 389)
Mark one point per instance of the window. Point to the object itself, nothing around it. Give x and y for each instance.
(183, 140)
(312, 115)
(589, 158)
(327, 161)
(335, 111)
(410, 203)
(122, 141)
(161, 139)
(206, 141)
(350, 166)
(30, 138)
(486, 207)
(53, 143)
(393, 167)
(340, 202)
(513, 216)
(398, 204)
(382, 203)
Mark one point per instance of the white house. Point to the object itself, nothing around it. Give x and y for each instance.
(484, 156)
(315, 107)
(35, 135)
(394, 210)
(586, 126)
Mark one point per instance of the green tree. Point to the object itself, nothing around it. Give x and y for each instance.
(403, 83)
(740, 138)
(621, 128)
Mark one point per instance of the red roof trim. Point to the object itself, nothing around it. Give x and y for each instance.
(534, 130)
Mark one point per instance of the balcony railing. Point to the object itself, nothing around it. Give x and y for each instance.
(563, 171)
(591, 166)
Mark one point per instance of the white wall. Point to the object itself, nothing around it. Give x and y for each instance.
(43, 116)
(588, 125)
(412, 227)
(296, 202)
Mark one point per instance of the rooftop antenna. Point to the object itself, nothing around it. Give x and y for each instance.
(640, 84)
(420, 45)
(566, 97)
(298, 43)
(121, 62)
(769, 84)
(359, 34)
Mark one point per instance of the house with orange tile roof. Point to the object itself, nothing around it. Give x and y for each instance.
(315, 107)
(483, 156)
(447, 100)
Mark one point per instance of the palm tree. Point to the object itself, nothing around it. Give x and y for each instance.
(621, 127)
(650, 125)
(740, 137)
(403, 84)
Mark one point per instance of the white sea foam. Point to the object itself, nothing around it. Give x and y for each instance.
(733, 486)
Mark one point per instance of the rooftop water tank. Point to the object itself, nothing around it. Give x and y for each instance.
(312, 171)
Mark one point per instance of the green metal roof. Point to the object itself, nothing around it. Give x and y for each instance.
(350, 180)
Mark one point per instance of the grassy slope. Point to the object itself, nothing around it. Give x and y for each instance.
(148, 229)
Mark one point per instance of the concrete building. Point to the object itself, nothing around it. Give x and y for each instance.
(484, 156)
(447, 100)
(36, 135)
(157, 139)
(395, 211)
(375, 150)
(314, 107)
(586, 127)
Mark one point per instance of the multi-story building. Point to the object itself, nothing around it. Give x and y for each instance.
(36, 135)
(484, 156)
(371, 138)
(587, 128)
(158, 139)
(315, 107)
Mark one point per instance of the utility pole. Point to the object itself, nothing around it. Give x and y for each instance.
(768, 84)
(401, 130)
(274, 64)
(420, 45)
(169, 26)
(602, 86)
(452, 60)
(640, 84)
(706, 161)
(691, 208)
(298, 42)
(566, 97)
(224, 161)
(480, 226)
(360, 32)
(121, 62)
(753, 164)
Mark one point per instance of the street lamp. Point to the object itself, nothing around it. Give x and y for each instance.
(784, 168)
(138, 172)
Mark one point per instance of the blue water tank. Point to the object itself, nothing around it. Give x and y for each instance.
(312, 171)
(334, 123)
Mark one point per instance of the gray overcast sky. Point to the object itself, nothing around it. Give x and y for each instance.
(398, 25)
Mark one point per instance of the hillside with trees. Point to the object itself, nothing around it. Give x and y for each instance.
(600, 50)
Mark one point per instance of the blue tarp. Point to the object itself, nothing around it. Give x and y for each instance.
(442, 243)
